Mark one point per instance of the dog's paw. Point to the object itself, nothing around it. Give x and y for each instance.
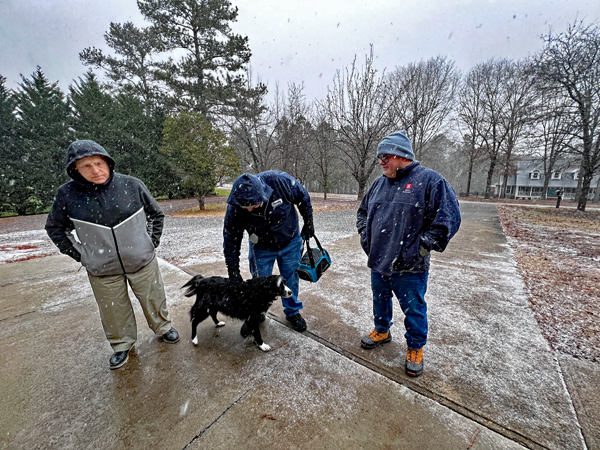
(264, 347)
(195, 340)
(220, 324)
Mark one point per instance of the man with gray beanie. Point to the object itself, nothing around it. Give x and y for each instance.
(408, 212)
(111, 224)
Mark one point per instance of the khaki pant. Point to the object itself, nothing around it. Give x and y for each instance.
(115, 307)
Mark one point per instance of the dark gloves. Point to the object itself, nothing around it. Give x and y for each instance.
(424, 245)
(234, 275)
(308, 230)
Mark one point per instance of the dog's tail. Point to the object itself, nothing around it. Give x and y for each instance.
(192, 285)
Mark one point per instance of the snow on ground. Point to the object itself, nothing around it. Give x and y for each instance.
(25, 245)
(558, 255)
(190, 241)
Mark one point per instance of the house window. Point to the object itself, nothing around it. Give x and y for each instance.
(556, 175)
(536, 191)
(576, 175)
(524, 191)
(535, 175)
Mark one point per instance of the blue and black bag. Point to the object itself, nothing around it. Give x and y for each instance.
(314, 261)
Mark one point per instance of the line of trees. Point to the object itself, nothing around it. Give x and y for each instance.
(184, 123)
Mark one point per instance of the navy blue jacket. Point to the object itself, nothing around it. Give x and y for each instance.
(401, 220)
(274, 224)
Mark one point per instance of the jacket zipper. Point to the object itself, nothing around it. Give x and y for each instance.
(117, 249)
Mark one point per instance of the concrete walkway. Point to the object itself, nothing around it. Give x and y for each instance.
(490, 382)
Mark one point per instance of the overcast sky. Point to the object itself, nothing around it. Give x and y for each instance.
(302, 40)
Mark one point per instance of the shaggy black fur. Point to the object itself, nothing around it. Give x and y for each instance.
(244, 301)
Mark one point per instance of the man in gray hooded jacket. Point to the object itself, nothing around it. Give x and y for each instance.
(111, 224)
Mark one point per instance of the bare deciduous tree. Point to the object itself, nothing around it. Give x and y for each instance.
(486, 85)
(425, 95)
(552, 135)
(294, 134)
(519, 112)
(571, 60)
(359, 107)
(252, 126)
(323, 150)
(469, 120)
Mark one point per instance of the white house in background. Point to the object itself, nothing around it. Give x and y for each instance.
(528, 182)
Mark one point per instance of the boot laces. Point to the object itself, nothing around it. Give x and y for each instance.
(414, 355)
(377, 336)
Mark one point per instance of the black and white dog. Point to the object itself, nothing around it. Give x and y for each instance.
(246, 300)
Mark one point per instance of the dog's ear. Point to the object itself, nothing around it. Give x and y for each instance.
(279, 281)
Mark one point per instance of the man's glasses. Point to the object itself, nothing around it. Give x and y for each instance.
(385, 158)
(90, 166)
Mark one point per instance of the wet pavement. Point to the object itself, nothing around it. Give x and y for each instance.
(491, 381)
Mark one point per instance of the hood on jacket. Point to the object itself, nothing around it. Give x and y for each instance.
(248, 190)
(82, 149)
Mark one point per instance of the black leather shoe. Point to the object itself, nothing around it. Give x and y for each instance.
(298, 323)
(171, 336)
(118, 359)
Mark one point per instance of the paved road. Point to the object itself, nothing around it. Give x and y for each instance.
(491, 380)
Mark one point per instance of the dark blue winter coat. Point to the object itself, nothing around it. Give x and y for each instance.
(274, 224)
(401, 220)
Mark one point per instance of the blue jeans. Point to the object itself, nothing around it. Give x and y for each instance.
(410, 290)
(288, 258)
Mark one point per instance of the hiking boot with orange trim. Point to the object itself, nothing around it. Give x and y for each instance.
(414, 362)
(374, 339)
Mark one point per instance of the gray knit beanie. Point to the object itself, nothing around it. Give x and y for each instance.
(397, 144)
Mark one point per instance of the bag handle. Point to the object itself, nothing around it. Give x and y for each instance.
(310, 256)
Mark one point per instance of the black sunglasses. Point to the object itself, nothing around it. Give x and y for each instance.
(385, 158)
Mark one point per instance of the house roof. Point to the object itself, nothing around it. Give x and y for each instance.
(568, 169)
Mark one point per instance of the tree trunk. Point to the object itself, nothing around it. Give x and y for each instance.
(490, 177)
(504, 183)
(362, 187)
(201, 205)
(547, 175)
(583, 193)
(469, 176)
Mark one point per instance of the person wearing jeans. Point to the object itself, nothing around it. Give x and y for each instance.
(262, 262)
(409, 289)
(407, 212)
(264, 206)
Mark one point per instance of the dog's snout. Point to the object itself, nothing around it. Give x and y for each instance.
(287, 292)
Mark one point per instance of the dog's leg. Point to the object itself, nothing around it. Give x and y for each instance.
(254, 325)
(201, 315)
(217, 322)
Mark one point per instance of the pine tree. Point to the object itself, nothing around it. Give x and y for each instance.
(132, 70)
(210, 74)
(42, 140)
(7, 143)
(93, 110)
(120, 124)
